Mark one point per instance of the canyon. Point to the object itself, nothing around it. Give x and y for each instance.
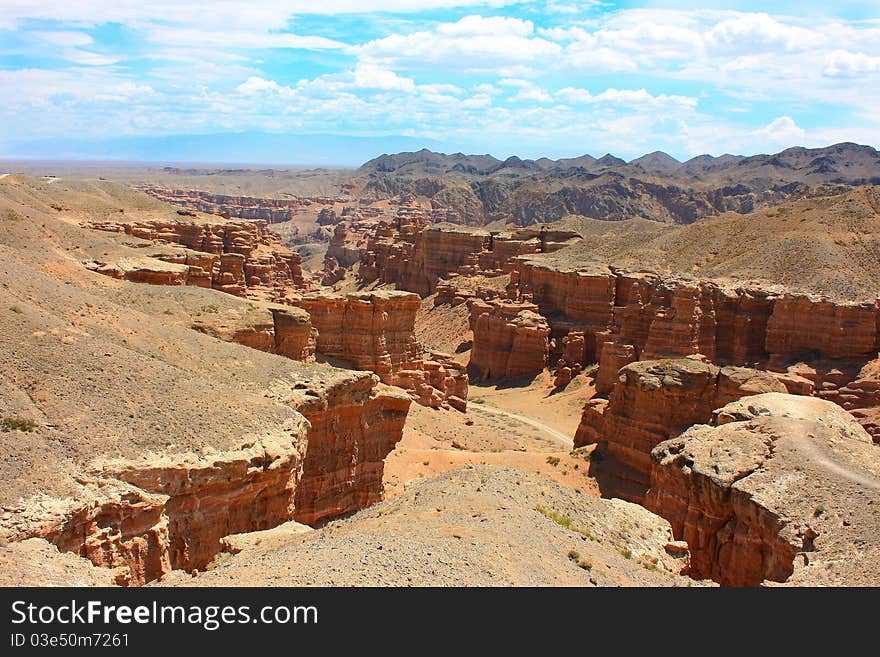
(214, 381)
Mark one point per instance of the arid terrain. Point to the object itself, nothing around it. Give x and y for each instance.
(443, 370)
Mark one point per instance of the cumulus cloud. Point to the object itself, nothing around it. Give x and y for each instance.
(473, 43)
(637, 98)
(756, 33)
(845, 64)
(781, 130)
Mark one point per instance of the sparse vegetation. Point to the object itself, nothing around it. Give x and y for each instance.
(574, 555)
(11, 215)
(627, 554)
(586, 565)
(553, 460)
(11, 423)
(818, 510)
(477, 400)
(211, 308)
(564, 521)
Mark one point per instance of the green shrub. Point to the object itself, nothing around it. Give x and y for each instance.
(10, 423)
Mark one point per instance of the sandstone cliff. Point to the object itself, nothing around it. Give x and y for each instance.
(238, 257)
(375, 331)
(778, 488)
(651, 402)
(510, 339)
(147, 441)
(415, 257)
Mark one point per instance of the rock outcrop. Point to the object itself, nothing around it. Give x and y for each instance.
(283, 330)
(416, 258)
(656, 400)
(778, 487)
(238, 257)
(168, 512)
(815, 345)
(344, 246)
(671, 317)
(510, 339)
(354, 426)
(271, 210)
(293, 333)
(375, 331)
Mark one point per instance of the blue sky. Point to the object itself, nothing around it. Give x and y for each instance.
(525, 77)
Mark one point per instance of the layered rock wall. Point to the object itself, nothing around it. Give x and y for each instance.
(148, 517)
(416, 258)
(352, 430)
(375, 331)
(510, 339)
(237, 257)
(271, 210)
(656, 400)
(776, 487)
(626, 317)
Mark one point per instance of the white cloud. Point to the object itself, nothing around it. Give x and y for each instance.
(370, 76)
(195, 37)
(255, 86)
(781, 130)
(845, 64)
(634, 98)
(473, 43)
(211, 14)
(755, 33)
(64, 37)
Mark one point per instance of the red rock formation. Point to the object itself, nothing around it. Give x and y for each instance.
(641, 316)
(773, 490)
(271, 210)
(239, 257)
(458, 290)
(353, 428)
(293, 334)
(170, 512)
(342, 249)
(332, 272)
(655, 400)
(510, 339)
(848, 384)
(589, 430)
(612, 356)
(328, 217)
(416, 258)
(802, 326)
(282, 330)
(375, 331)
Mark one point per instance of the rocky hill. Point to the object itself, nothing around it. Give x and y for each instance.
(483, 189)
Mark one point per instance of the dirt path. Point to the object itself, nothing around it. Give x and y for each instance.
(815, 454)
(558, 436)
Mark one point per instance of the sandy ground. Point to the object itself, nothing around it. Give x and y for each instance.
(525, 428)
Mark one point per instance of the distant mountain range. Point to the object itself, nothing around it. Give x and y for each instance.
(849, 161)
(656, 186)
